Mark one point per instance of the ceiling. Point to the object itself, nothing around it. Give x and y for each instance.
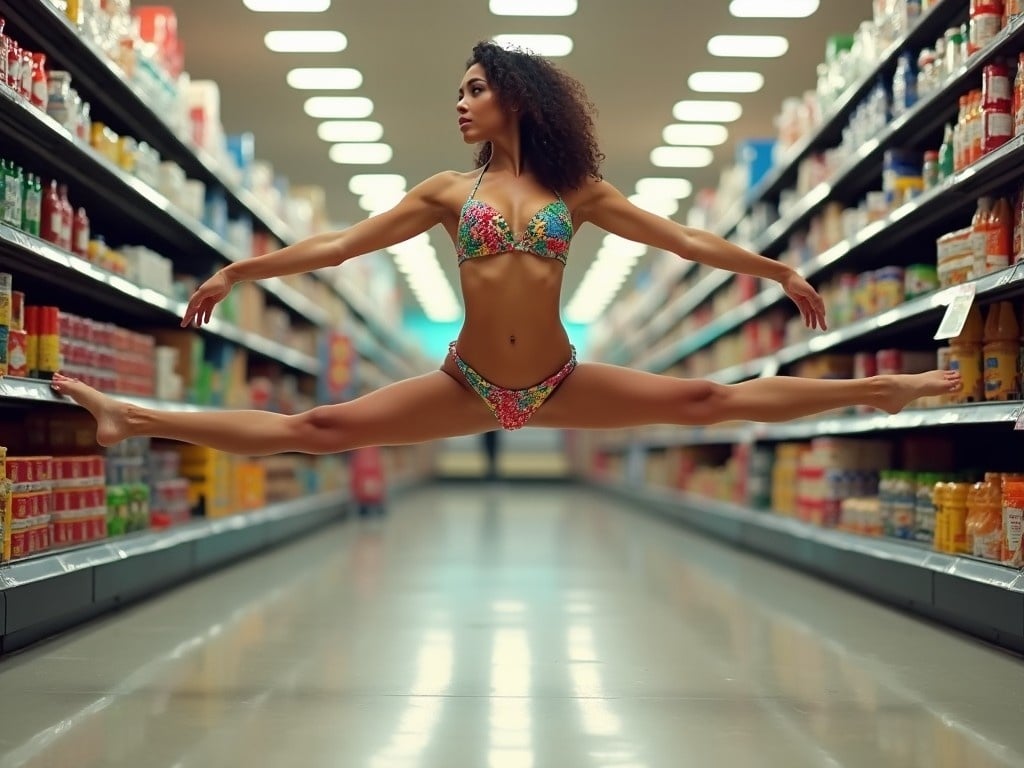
(633, 57)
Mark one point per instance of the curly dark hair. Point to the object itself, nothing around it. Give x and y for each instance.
(556, 123)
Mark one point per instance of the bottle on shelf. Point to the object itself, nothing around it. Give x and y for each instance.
(80, 234)
(1018, 98)
(965, 355)
(986, 21)
(39, 91)
(1001, 352)
(33, 198)
(67, 217)
(999, 237)
(997, 107)
(51, 222)
(947, 153)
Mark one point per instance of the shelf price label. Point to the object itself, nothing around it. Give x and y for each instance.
(956, 312)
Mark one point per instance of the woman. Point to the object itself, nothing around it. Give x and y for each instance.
(537, 182)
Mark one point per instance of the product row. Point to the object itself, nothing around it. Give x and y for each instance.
(852, 485)
(54, 501)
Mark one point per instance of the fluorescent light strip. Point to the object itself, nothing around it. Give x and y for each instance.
(533, 7)
(697, 111)
(305, 41)
(361, 154)
(329, 107)
(368, 183)
(748, 46)
(542, 45)
(288, 6)
(351, 130)
(773, 9)
(695, 135)
(726, 82)
(680, 189)
(325, 78)
(682, 157)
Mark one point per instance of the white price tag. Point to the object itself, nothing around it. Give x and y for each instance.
(1019, 425)
(956, 312)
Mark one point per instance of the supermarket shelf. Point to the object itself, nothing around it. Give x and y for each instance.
(929, 27)
(41, 257)
(985, 599)
(925, 115)
(179, 232)
(1005, 413)
(46, 593)
(107, 86)
(902, 224)
(391, 351)
(17, 389)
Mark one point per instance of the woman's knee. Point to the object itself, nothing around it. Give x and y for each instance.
(705, 402)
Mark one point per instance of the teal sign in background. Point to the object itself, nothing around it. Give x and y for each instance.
(433, 338)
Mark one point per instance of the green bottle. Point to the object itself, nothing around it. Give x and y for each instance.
(33, 194)
(5, 197)
(946, 159)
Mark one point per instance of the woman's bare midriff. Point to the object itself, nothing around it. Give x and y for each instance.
(513, 334)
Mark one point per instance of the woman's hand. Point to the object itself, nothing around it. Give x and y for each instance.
(807, 300)
(200, 306)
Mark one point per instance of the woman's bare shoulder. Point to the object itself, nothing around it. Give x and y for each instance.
(445, 183)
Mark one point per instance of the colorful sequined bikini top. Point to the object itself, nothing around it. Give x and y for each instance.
(483, 231)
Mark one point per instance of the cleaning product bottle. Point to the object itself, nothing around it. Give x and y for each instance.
(965, 355)
(1001, 351)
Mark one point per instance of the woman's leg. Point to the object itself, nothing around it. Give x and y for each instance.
(423, 408)
(599, 396)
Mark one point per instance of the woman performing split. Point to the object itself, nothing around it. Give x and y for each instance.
(536, 183)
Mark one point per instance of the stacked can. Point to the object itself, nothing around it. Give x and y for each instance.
(31, 504)
(79, 499)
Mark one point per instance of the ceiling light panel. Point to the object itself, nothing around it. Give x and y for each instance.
(368, 183)
(698, 111)
(543, 45)
(773, 9)
(288, 6)
(695, 134)
(659, 206)
(748, 46)
(325, 78)
(361, 154)
(328, 107)
(533, 7)
(726, 82)
(662, 186)
(682, 157)
(351, 130)
(305, 41)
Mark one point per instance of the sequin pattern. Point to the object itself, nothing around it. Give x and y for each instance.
(512, 407)
(484, 231)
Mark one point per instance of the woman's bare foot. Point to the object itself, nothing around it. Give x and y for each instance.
(900, 391)
(111, 416)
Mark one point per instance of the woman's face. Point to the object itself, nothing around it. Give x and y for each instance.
(481, 116)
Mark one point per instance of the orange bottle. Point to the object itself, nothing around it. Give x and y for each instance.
(999, 241)
(960, 141)
(978, 126)
(981, 222)
(985, 518)
(1001, 352)
(965, 355)
(1011, 552)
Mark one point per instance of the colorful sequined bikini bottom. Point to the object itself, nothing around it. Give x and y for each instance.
(512, 407)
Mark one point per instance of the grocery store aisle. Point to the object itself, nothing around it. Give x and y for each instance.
(511, 628)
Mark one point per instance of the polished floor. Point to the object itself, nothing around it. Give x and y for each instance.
(513, 628)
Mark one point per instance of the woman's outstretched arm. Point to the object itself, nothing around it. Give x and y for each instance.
(417, 212)
(603, 205)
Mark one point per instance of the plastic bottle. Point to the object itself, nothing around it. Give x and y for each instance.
(31, 212)
(1001, 352)
(40, 91)
(999, 240)
(985, 518)
(80, 234)
(965, 355)
(960, 139)
(980, 225)
(15, 185)
(67, 217)
(947, 154)
(977, 126)
(1011, 552)
(51, 223)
